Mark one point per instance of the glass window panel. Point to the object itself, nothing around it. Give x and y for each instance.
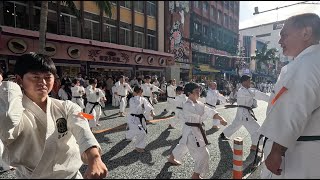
(96, 31)
(75, 25)
(139, 6)
(151, 8)
(8, 13)
(65, 25)
(52, 22)
(87, 29)
(113, 34)
(36, 19)
(22, 17)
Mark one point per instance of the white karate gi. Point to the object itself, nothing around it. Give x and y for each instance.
(3, 165)
(171, 91)
(138, 105)
(122, 90)
(94, 96)
(178, 102)
(296, 113)
(245, 97)
(62, 94)
(77, 92)
(115, 98)
(192, 137)
(211, 101)
(147, 91)
(43, 145)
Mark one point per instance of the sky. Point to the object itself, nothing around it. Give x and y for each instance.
(247, 19)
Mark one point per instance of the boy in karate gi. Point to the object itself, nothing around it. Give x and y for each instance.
(77, 93)
(95, 96)
(44, 137)
(138, 108)
(193, 135)
(179, 100)
(122, 90)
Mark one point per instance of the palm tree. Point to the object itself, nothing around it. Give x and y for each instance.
(266, 57)
(104, 6)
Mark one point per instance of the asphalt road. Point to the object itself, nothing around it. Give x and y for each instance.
(123, 162)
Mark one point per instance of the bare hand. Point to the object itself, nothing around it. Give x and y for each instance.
(223, 122)
(273, 163)
(96, 170)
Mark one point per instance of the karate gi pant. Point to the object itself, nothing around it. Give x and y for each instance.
(199, 154)
(215, 122)
(96, 112)
(3, 165)
(136, 131)
(177, 120)
(115, 101)
(123, 103)
(78, 101)
(251, 125)
(170, 105)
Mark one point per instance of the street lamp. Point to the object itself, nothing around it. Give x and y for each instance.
(256, 9)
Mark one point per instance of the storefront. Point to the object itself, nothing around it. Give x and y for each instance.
(73, 55)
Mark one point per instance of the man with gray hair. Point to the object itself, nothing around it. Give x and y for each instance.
(291, 127)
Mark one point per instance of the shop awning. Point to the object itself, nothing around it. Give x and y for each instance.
(207, 68)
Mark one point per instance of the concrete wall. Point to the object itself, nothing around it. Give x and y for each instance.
(173, 72)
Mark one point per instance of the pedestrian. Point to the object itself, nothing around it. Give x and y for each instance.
(246, 101)
(45, 137)
(122, 90)
(292, 123)
(95, 97)
(138, 108)
(212, 98)
(193, 134)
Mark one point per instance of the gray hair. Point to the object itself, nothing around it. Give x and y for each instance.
(306, 20)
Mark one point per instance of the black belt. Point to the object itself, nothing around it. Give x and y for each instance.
(179, 108)
(77, 97)
(171, 97)
(210, 105)
(246, 107)
(301, 138)
(141, 117)
(148, 98)
(94, 105)
(203, 133)
(122, 96)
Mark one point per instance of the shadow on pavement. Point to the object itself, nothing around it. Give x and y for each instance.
(226, 157)
(211, 131)
(116, 149)
(164, 173)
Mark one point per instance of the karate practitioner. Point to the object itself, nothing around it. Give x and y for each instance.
(44, 137)
(178, 102)
(171, 92)
(62, 94)
(95, 97)
(138, 107)
(77, 93)
(115, 98)
(122, 90)
(292, 122)
(193, 134)
(213, 96)
(247, 100)
(148, 88)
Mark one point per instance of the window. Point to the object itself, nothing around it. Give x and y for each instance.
(109, 33)
(69, 25)
(139, 39)
(125, 36)
(230, 24)
(139, 6)
(151, 8)
(126, 4)
(205, 30)
(196, 4)
(52, 22)
(16, 14)
(225, 20)
(219, 17)
(151, 42)
(263, 35)
(197, 27)
(213, 12)
(205, 6)
(91, 29)
(226, 5)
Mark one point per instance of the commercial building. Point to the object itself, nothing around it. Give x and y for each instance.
(203, 36)
(129, 43)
